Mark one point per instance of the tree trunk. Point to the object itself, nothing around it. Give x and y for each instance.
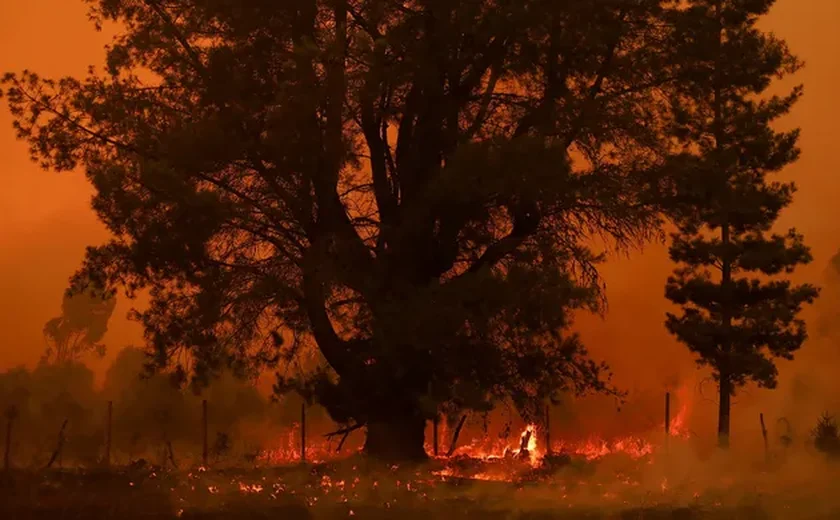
(397, 438)
(724, 411)
(726, 261)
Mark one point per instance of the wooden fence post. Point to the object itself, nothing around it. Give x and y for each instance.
(11, 414)
(204, 431)
(764, 435)
(108, 433)
(303, 432)
(667, 421)
(548, 429)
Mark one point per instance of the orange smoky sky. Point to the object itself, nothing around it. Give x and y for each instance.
(46, 222)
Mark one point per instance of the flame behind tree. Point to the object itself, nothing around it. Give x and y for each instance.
(737, 315)
(79, 329)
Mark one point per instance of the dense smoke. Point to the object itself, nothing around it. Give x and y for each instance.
(149, 414)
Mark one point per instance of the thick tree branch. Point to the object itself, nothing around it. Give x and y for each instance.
(371, 128)
(526, 221)
(335, 350)
(366, 26)
(526, 216)
(484, 104)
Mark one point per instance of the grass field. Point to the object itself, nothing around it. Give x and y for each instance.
(353, 488)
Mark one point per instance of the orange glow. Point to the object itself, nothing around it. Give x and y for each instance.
(46, 222)
(494, 460)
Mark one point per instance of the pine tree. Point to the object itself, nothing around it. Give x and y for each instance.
(826, 435)
(737, 315)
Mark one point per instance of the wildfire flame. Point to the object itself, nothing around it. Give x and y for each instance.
(526, 449)
(526, 446)
(679, 424)
(287, 451)
(593, 448)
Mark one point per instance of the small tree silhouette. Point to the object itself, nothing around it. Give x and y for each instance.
(222, 446)
(83, 322)
(827, 436)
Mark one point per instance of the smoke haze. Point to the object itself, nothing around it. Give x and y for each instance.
(45, 224)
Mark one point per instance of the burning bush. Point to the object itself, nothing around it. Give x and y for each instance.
(827, 436)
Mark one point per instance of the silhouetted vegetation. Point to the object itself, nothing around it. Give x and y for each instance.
(79, 329)
(735, 323)
(151, 414)
(826, 436)
(44, 398)
(413, 190)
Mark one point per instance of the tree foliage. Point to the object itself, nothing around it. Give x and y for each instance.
(149, 410)
(79, 329)
(42, 399)
(151, 407)
(408, 186)
(826, 436)
(737, 315)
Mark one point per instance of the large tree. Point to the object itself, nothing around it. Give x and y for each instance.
(409, 186)
(737, 315)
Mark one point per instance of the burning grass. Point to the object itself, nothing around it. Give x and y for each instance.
(630, 477)
(525, 447)
(612, 487)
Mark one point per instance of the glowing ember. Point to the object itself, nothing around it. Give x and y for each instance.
(250, 488)
(490, 477)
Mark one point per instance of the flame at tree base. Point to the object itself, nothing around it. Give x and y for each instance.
(502, 459)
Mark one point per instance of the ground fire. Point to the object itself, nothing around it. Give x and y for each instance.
(528, 447)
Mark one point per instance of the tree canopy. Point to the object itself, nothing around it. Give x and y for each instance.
(410, 187)
(82, 324)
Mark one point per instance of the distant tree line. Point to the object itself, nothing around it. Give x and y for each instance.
(149, 413)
